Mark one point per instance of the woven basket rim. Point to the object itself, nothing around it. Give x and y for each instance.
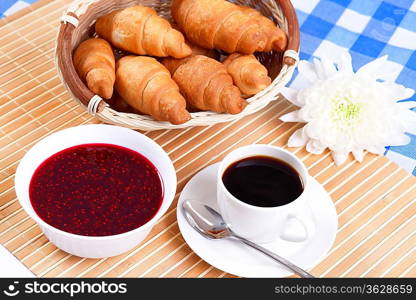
(97, 106)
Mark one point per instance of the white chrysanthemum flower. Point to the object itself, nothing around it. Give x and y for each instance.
(350, 112)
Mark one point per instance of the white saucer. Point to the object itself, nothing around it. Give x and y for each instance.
(238, 259)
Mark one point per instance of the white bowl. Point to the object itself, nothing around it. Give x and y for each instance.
(91, 246)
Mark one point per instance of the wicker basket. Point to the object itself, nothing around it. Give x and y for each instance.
(77, 25)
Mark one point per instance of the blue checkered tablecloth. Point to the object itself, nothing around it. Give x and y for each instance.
(367, 28)
(8, 7)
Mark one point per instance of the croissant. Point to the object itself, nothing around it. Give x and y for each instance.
(95, 65)
(197, 50)
(119, 104)
(206, 84)
(138, 29)
(248, 74)
(147, 86)
(276, 38)
(226, 26)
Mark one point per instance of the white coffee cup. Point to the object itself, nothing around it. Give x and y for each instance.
(291, 222)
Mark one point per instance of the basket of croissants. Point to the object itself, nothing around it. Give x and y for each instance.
(165, 64)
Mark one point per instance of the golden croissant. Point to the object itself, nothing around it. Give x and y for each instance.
(138, 29)
(147, 86)
(95, 65)
(226, 26)
(248, 74)
(206, 84)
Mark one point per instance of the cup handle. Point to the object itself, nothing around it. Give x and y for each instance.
(298, 226)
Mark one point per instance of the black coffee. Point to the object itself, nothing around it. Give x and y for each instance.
(263, 181)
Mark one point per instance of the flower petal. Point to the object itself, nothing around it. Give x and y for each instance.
(297, 139)
(291, 95)
(411, 130)
(307, 70)
(373, 67)
(408, 119)
(302, 97)
(328, 67)
(339, 157)
(319, 69)
(358, 155)
(390, 71)
(398, 91)
(376, 149)
(345, 62)
(292, 117)
(405, 94)
(400, 140)
(380, 68)
(407, 104)
(315, 147)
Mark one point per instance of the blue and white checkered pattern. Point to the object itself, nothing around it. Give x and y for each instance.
(9, 7)
(367, 28)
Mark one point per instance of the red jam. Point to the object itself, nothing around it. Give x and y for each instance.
(96, 190)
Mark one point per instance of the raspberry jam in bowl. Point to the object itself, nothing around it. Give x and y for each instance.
(96, 190)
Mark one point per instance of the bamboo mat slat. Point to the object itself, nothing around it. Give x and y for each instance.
(375, 200)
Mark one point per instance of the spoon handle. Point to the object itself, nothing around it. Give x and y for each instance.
(283, 261)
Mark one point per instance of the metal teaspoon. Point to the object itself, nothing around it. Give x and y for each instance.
(210, 224)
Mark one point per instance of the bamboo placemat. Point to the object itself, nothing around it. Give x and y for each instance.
(375, 200)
